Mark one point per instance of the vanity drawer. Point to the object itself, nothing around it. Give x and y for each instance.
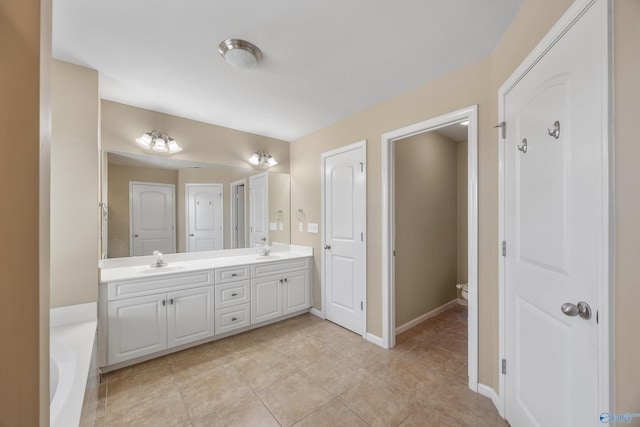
(232, 274)
(231, 294)
(232, 318)
(278, 267)
(158, 284)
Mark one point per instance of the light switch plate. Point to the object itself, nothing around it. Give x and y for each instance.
(281, 226)
(273, 226)
(312, 228)
(300, 227)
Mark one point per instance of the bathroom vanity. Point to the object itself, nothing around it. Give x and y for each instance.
(145, 311)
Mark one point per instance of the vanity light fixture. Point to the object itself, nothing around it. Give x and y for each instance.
(159, 142)
(240, 53)
(260, 158)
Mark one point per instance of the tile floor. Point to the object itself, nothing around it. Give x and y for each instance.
(304, 372)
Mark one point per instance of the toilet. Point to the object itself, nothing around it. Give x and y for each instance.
(465, 290)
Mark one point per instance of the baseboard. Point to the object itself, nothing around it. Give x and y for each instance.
(316, 312)
(487, 391)
(375, 340)
(462, 301)
(432, 313)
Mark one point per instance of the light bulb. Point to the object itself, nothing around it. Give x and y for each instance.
(144, 141)
(271, 161)
(173, 146)
(160, 146)
(254, 159)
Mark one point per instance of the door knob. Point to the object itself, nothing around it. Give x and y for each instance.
(582, 309)
(190, 235)
(135, 235)
(327, 247)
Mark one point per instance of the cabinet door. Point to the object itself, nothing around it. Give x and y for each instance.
(295, 291)
(137, 327)
(266, 299)
(190, 315)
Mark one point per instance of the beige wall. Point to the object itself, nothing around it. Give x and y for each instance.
(426, 224)
(627, 207)
(279, 198)
(118, 196)
(24, 323)
(462, 217)
(201, 142)
(74, 185)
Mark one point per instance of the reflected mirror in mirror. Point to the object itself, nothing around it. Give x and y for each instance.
(155, 203)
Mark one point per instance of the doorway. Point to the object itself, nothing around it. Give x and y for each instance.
(237, 214)
(389, 140)
(259, 212)
(152, 218)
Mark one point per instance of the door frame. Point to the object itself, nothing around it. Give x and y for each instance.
(188, 185)
(232, 236)
(173, 211)
(605, 334)
(388, 227)
(323, 157)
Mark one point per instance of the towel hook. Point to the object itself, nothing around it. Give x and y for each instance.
(556, 130)
(523, 147)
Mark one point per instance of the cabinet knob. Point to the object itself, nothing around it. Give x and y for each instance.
(164, 302)
(190, 235)
(171, 301)
(233, 319)
(235, 294)
(285, 280)
(234, 274)
(280, 281)
(135, 235)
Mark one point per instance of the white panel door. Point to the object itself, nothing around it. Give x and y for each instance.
(344, 187)
(555, 192)
(190, 315)
(259, 209)
(152, 214)
(238, 217)
(204, 217)
(137, 327)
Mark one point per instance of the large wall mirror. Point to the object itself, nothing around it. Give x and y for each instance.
(158, 203)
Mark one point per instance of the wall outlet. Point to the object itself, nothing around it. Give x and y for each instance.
(300, 227)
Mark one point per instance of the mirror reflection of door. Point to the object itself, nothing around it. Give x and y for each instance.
(204, 217)
(152, 218)
(238, 216)
(259, 213)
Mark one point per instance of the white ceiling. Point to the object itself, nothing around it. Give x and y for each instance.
(323, 59)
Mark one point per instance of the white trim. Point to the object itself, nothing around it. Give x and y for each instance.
(605, 371)
(316, 312)
(173, 211)
(410, 324)
(375, 340)
(487, 391)
(388, 231)
(187, 209)
(462, 301)
(233, 242)
(356, 145)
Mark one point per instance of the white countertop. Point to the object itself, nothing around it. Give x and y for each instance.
(114, 270)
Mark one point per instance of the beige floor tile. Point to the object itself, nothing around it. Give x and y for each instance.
(306, 351)
(370, 356)
(378, 403)
(264, 368)
(167, 411)
(435, 357)
(293, 398)
(336, 374)
(412, 378)
(141, 371)
(425, 417)
(213, 390)
(462, 375)
(247, 412)
(333, 414)
(452, 341)
(126, 391)
(465, 407)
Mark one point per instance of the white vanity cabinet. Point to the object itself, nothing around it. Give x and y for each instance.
(279, 289)
(232, 298)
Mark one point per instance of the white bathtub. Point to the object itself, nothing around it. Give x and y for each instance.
(71, 344)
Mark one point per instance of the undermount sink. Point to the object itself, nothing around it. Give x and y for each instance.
(267, 256)
(158, 270)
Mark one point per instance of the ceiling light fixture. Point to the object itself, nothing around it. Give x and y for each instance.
(159, 142)
(240, 53)
(260, 158)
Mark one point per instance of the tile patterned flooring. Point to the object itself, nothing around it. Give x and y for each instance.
(305, 372)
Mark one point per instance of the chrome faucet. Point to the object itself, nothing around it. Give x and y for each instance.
(266, 250)
(159, 261)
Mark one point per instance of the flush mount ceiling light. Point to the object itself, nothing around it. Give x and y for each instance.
(260, 158)
(240, 53)
(159, 142)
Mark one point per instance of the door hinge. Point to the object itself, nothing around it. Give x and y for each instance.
(361, 305)
(503, 127)
(504, 366)
(394, 252)
(504, 248)
(361, 167)
(361, 236)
